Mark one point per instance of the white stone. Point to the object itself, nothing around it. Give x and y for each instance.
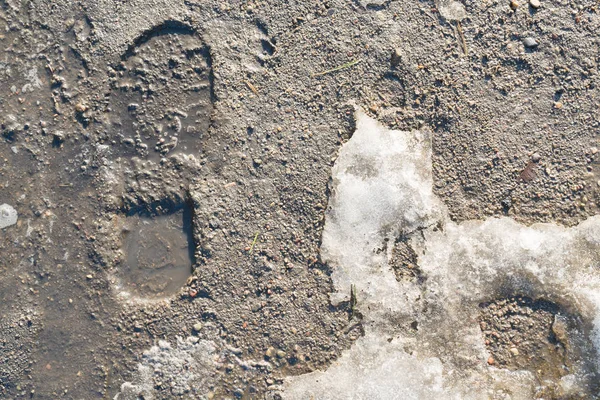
(452, 10)
(8, 216)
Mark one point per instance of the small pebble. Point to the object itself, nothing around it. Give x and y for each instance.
(396, 58)
(514, 5)
(535, 4)
(270, 352)
(197, 327)
(8, 216)
(59, 136)
(490, 361)
(536, 157)
(81, 108)
(530, 42)
(514, 351)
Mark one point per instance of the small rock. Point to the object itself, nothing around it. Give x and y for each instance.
(593, 150)
(281, 354)
(197, 327)
(514, 5)
(530, 42)
(490, 361)
(90, 276)
(452, 10)
(8, 216)
(536, 157)
(514, 351)
(59, 136)
(535, 4)
(270, 352)
(81, 108)
(396, 58)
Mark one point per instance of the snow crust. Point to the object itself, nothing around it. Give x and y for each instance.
(382, 189)
(381, 186)
(186, 369)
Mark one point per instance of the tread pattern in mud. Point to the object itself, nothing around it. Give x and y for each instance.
(161, 99)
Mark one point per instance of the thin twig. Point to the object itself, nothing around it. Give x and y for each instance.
(353, 300)
(339, 68)
(251, 87)
(463, 42)
(253, 243)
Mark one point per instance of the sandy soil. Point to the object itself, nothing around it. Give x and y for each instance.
(234, 111)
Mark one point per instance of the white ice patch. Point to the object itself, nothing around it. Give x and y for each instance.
(371, 371)
(185, 369)
(8, 216)
(382, 189)
(377, 175)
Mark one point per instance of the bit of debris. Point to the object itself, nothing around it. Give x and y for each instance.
(251, 87)
(529, 173)
(341, 67)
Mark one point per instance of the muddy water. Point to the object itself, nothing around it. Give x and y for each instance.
(158, 255)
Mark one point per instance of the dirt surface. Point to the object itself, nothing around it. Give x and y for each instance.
(523, 334)
(112, 110)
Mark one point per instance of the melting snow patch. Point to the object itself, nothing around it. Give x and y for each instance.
(381, 185)
(186, 369)
(423, 337)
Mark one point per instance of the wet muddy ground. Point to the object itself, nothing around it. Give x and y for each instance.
(158, 255)
(170, 163)
(523, 334)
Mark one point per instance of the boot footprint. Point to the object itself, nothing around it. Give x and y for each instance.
(161, 98)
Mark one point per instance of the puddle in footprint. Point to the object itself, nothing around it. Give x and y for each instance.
(158, 255)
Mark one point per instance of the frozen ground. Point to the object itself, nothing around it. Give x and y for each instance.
(423, 337)
(232, 113)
